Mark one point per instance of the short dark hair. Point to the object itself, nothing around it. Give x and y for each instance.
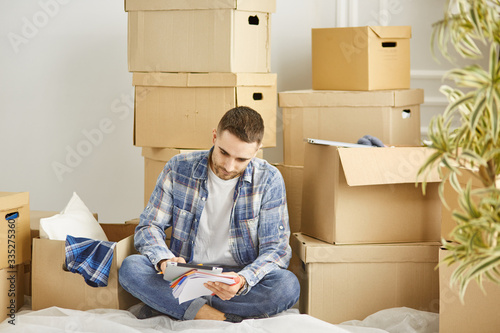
(243, 122)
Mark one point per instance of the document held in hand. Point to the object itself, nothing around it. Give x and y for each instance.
(189, 285)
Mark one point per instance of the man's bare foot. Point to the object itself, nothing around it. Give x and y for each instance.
(209, 313)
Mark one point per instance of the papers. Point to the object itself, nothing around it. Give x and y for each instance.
(189, 285)
(176, 269)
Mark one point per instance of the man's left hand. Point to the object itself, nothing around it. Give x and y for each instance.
(224, 291)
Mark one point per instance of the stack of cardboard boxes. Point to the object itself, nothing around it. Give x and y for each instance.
(369, 237)
(15, 252)
(191, 62)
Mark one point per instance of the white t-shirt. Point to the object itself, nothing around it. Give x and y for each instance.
(212, 240)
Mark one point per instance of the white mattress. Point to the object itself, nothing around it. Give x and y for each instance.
(56, 319)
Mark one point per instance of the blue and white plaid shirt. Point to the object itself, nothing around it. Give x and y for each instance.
(259, 230)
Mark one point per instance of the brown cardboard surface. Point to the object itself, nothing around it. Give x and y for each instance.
(393, 116)
(451, 198)
(53, 286)
(199, 36)
(12, 292)
(478, 312)
(14, 236)
(293, 175)
(361, 58)
(181, 110)
(384, 206)
(336, 98)
(349, 282)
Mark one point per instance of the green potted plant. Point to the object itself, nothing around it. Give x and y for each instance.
(467, 137)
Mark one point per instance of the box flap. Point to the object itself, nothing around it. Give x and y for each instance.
(311, 250)
(392, 31)
(334, 98)
(378, 166)
(157, 79)
(249, 5)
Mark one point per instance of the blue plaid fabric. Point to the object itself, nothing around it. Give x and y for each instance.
(90, 258)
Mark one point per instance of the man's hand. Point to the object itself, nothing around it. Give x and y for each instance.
(224, 291)
(174, 259)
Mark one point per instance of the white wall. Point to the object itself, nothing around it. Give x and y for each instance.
(65, 88)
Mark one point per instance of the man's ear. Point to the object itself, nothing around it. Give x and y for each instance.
(257, 151)
(214, 135)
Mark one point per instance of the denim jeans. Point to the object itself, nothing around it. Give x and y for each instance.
(278, 291)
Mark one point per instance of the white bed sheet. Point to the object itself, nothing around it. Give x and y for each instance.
(54, 319)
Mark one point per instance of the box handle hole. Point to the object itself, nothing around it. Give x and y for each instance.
(253, 20)
(389, 44)
(11, 216)
(406, 114)
(257, 96)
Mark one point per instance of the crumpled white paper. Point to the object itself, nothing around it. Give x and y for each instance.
(403, 319)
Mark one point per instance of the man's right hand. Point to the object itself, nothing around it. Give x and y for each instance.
(174, 259)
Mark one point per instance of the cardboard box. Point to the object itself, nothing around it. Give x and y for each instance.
(11, 292)
(350, 282)
(361, 58)
(368, 195)
(478, 312)
(54, 286)
(293, 175)
(180, 110)
(393, 116)
(199, 36)
(14, 232)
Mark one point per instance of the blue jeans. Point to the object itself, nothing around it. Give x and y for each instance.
(278, 291)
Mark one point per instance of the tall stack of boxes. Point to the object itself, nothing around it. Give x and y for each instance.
(191, 62)
(369, 237)
(15, 251)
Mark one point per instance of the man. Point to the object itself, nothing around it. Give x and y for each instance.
(226, 208)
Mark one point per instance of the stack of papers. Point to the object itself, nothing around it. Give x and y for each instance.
(189, 285)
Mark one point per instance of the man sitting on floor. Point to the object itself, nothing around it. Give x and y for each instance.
(227, 208)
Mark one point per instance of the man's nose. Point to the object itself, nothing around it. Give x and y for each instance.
(229, 164)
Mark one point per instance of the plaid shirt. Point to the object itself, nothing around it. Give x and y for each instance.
(259, 231)
(90, 258)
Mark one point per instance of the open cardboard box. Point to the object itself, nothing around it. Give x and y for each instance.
(393, 116)
(180, 110)
(361, 58)
(368, 195)
(199, 36)
(54, 286)
(350, 282)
